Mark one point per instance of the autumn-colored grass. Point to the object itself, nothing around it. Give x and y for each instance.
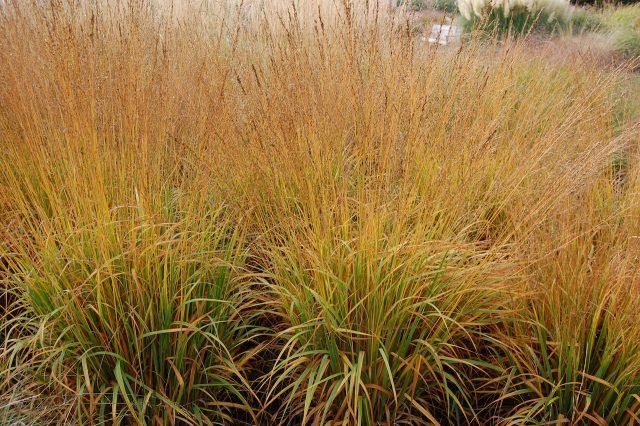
(248, 213)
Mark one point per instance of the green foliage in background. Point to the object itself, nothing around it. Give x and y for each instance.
(412, 4)
(449, 6)
(518, 21)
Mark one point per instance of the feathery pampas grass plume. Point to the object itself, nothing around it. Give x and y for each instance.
(553, 8)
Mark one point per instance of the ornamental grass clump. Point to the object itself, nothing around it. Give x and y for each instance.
(388, 240)
(125, 273)
(140, 322)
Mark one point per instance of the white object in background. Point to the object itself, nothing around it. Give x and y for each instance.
(444, 34)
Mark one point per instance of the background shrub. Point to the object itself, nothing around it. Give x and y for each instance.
(450, 6)
(628, 44)
(624, 24)
(583, 20)
(412, 4)
(519, 21)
